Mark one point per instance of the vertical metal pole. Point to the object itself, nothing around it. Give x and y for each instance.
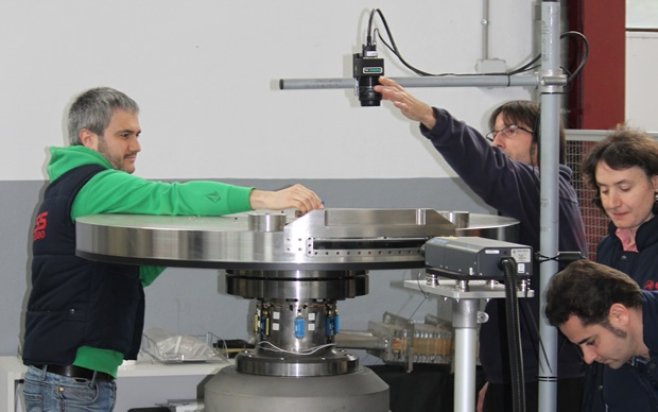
(549, 210)
(464, 320)
(485, 29)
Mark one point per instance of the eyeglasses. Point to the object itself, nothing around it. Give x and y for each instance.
(507, 131)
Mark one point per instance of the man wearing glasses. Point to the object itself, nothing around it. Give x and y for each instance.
(504, 172)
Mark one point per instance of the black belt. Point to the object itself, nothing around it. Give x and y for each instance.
(72, 371)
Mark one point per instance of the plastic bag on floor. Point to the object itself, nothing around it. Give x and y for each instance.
(167, 347)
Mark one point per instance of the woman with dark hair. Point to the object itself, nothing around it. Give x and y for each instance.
(623, 169)
(502, 168)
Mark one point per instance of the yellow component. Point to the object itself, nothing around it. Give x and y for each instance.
(256, 323)
(398, 345)
(432, 346)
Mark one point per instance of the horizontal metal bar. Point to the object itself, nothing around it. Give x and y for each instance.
(482, 80)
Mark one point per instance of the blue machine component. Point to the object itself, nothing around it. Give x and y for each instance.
(300, 327)
(332, 325)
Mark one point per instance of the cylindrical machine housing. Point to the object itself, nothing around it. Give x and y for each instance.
(360, 391)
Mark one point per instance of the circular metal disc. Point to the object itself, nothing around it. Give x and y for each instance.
(324, 239)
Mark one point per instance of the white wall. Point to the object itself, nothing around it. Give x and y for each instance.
(641, 80)
(205, 72)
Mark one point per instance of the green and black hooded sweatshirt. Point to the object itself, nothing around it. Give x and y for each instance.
(91, 314)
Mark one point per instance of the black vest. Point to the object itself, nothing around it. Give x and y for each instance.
(74, 301)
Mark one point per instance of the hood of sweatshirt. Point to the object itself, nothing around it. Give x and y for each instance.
(63, 159)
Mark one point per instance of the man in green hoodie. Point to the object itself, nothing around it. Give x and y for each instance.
(84, 318)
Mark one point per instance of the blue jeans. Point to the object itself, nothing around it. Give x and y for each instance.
(49, 392)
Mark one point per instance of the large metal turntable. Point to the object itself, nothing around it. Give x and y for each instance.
(296, 268)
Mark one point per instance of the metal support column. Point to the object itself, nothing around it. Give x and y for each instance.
(551, 93)
(466, 298)
(465, 322)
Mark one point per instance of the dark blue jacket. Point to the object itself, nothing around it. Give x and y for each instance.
(641, 266)
(76, 302)
(512, 188)
(624, 389)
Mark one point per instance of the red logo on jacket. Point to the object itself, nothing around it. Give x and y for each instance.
(40, 224)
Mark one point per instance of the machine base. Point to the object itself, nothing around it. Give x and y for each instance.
(361, 391)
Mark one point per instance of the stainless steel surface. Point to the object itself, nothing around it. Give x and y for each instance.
(459, 218)
(477, 289)
(360, 391)
(298, 285)
(491, 227)
(267, 222)
(326, 239)
(329, 363)
(320, 240)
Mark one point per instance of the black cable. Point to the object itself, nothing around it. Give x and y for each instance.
(369, 32)
(393, 47)
(585, 56)
(527, 67)
(564, 257)
(524, 68)
(514, 335)
(426, 295)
